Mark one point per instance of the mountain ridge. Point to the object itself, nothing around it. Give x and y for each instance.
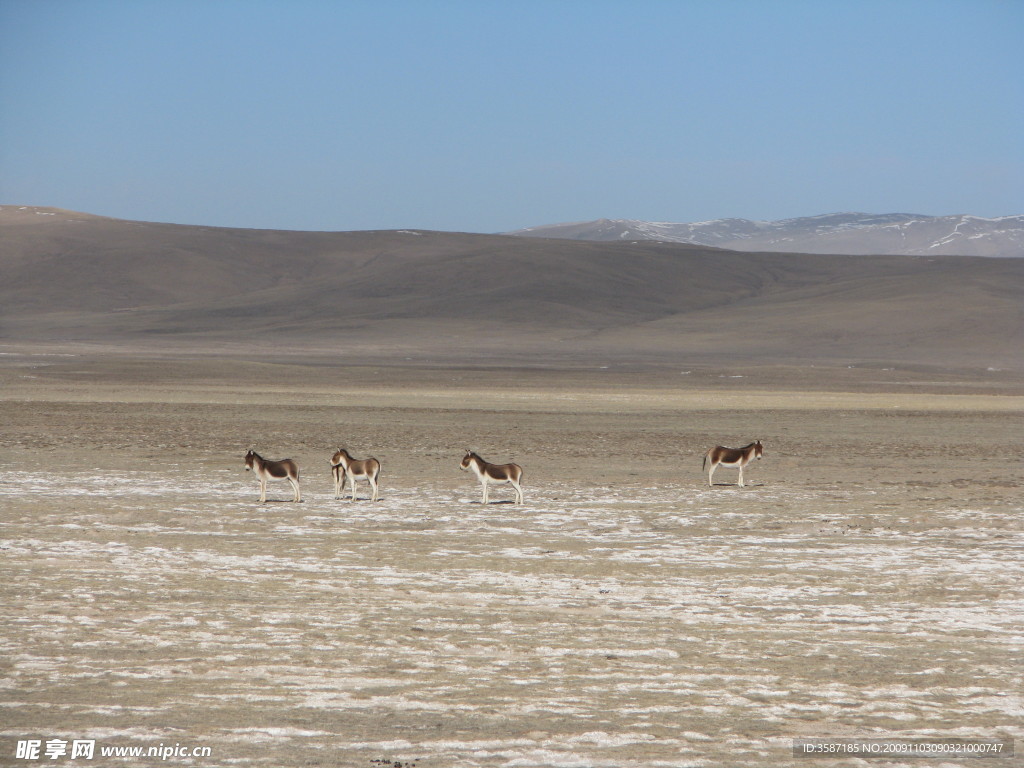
(835, 233)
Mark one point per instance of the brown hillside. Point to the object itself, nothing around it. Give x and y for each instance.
(71, 276)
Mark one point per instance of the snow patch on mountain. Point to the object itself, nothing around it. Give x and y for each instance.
(836, 233)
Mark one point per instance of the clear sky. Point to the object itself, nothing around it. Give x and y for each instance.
(491, 115)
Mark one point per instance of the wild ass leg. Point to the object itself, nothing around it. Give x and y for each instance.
(263, 491)
(339, 481)
(373, 485)
(295, 487)
(741, 475)
(519, 492)
(485, 484)
(711, 474)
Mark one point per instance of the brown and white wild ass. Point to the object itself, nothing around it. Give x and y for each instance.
(343, 464)
(494, 473)
(265, 470)
(732, 457)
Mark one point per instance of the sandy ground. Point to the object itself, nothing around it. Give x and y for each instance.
(866, 583)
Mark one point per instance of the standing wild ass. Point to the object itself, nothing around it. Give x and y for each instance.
(494, 473)
(343, 464)
(265, 470)
(732, 457)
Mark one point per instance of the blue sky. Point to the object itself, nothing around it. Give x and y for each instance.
(486, 116)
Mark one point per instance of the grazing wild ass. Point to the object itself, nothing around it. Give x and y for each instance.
(494, 473)
(286, 469)
(356, 469)
(732, 457)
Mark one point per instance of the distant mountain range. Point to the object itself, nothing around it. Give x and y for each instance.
(70, 277)
(835, 233)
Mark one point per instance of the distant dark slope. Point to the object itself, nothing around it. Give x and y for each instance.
(390, 292)
(101, 266)
(941, 312)
(88, 263)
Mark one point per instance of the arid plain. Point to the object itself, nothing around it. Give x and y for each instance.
(866, 583)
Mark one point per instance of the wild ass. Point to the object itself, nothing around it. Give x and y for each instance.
(732, 457)
(494, 473)
(265, 470)
(356, 469)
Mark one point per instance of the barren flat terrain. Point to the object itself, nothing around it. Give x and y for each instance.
(867, 582)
